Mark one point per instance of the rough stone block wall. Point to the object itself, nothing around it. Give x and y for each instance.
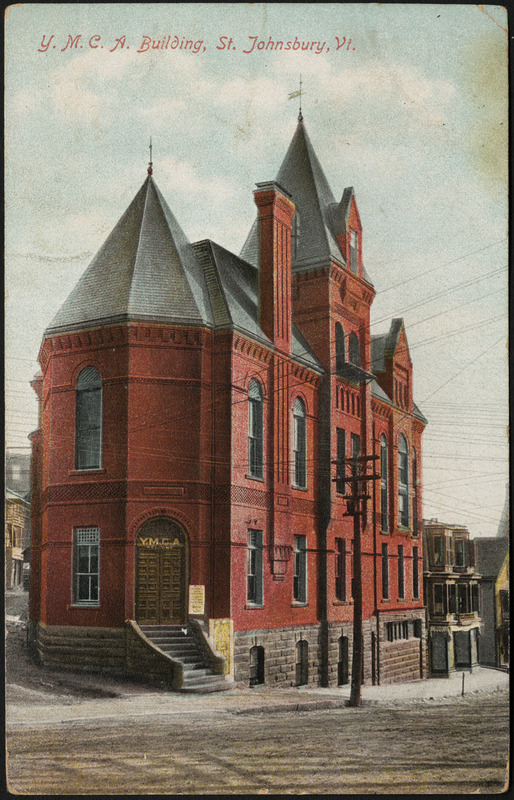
(346, 629)
(279, 654)
(80, 648)
(403, 660)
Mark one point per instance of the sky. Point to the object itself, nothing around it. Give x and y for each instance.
(406, 103)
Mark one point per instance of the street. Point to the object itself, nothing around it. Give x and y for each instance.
(452, 747)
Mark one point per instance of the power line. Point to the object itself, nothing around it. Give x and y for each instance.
(444, 293)
(440, 266)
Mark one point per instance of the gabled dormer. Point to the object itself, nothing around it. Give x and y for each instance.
(392, 366)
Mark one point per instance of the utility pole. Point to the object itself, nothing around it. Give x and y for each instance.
(356, 507)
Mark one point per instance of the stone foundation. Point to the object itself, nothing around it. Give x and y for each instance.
(279, 654)
(384, 662)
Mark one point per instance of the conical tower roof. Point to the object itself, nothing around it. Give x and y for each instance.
(145, 270)
(301, 174)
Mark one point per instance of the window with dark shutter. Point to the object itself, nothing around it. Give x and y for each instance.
(401, 573)
(341, 461)
(385, 572)
(255, 431)
(300, 569)
(415, 573)
(340, 347)
(340, 569)
(88, 420)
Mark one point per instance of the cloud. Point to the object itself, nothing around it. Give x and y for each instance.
(181, 177)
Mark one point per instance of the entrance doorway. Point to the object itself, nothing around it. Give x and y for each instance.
(162, 558)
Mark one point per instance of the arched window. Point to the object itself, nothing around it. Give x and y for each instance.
(302, 663)
(88, 420)
(255, 431)
(384, 485)
(299, 444)
(403, 483)
(256, 665)
(340, 354)
(355, 350)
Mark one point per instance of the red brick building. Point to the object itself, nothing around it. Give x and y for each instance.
(192, 405)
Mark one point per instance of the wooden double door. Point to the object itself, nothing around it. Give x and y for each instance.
(162, 558)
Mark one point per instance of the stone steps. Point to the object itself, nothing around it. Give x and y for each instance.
(177, 642)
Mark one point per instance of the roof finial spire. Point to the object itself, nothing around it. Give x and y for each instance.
(298, 94)
(150, 165)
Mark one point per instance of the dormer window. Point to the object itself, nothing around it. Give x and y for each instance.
(295, 234)
(354, 252)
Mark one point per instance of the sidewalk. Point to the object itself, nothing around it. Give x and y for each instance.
(34, 708)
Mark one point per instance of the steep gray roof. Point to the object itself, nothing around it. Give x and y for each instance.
(491, 554)
(234, 285)
(320, 217)
(145, 270)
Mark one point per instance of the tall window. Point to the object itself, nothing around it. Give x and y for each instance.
(86, 566)
(340, 569)
(300, 569)
(354, 349)
(438, 551)
(415, 573)
(255, 430)
(354, 251)
(341, 461)
(460, 557)
(439, 599)
(254, 568)
(300, 444)
(403, 483)
(384, 487)
(385, 572)
(88, 420)
(401, 572)
(415, 521)
(340, 353)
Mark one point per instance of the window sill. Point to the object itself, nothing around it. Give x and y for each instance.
(253, 606)
(342, 603)
(299, 488)
(299, 604)
(254, 478)
(400, 600)
(384, 533)
(386, 600)
(93, 470)
(83, 605)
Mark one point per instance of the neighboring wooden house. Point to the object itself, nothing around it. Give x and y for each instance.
(451, 596)
(17, 537)
(493, 563)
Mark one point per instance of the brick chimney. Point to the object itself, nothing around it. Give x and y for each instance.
(276, 212)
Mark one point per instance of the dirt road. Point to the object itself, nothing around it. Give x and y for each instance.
(438, 749)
